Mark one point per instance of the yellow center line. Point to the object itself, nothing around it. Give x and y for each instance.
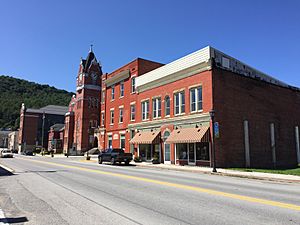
(180, 186)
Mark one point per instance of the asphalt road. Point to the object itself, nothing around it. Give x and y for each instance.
(61, 191)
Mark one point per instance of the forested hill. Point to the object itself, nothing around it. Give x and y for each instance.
(14, 91)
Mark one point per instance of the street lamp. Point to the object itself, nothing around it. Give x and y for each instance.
(212, 117)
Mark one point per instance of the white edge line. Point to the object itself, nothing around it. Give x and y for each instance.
(6, 168)
(2, 217)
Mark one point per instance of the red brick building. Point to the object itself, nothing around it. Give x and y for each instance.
(56, 138)
(83, 116)
(35, 124)
(162, 111)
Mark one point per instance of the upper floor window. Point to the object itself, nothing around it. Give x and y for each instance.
(102, 118)
(112, 92)
(121, 110)
(156, 107)
(196, 99)
(132, 84)
(112, 115)
(167, 106)
(145, 110)
(122, 89)
(132, 112)
(103, 96)
(179, 103)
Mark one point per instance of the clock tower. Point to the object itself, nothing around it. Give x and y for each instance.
(86, 105)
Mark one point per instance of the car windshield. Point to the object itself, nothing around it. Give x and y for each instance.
(6, 151)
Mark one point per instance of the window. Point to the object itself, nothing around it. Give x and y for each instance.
(167, 106)
(156, 107)
(202, 151)
(132, 112)
(102, 118)
(122, 89)
(132, 84)
(109, 139)
(112, 114)
(179, 104)
(145, 110)
(112, 92)
(103, 97)
(196, 99)
(121, 115)
(89, 102)
(122, 141)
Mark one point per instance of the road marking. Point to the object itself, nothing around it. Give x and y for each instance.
(2, 217)
(180, 186)
(7, 168)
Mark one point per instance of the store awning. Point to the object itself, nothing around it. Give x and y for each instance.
(146, 137)
(189, 135)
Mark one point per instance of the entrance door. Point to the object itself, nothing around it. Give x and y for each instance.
(167, 149)
(191, 153)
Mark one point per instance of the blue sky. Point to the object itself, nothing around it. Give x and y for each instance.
(43, 41)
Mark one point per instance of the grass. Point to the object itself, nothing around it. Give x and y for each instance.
(295, 171)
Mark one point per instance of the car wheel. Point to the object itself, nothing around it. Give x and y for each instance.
(100, 160)
(127, 163)
(113, 161)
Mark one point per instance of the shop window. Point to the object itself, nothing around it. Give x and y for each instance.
(202, 151)
(182, 151)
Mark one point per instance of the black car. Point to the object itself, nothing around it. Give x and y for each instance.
(28, 153)
(114, 155)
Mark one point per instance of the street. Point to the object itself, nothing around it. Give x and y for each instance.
(45, 190)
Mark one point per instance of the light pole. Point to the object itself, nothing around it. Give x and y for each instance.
(43, 126)
(212, 118)
(23, 143)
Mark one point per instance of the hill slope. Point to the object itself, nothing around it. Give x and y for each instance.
(14, 91)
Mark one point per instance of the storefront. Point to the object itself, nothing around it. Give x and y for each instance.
(192, 146)
(148, 145)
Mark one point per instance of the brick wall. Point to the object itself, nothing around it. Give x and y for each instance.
(238, 98)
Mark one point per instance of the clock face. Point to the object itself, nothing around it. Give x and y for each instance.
(94, 76)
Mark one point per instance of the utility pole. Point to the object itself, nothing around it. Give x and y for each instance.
(43, 126)
(212, 117)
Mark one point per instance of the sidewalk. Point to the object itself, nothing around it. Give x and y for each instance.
(205, 170)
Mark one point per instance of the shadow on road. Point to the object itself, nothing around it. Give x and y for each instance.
(14, 220)
(4, 172)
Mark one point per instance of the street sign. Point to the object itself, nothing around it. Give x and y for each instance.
(217, 131)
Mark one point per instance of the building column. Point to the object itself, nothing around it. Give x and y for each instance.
(247, 145)
(297, 143)
(272, 130)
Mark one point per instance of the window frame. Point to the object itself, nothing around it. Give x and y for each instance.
(121, 115)
(122, 89)
(145, 109)
(132, 113)
(112, 117)
(181, 103)
(197, 102)
(156, 107)
(132, 87)
(112, 93)
(167, 107)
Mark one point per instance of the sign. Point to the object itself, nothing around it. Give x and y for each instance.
(217, 131)
(116, 137)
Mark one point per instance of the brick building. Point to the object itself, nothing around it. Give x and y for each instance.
(56, 138)
(35, 124)
(162, 111)
(82, 117)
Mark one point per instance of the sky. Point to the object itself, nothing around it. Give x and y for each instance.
(42, 41)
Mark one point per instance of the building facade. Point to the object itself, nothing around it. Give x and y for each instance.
(82, 117)
(56, 138)
(35, 124)
(13, 141)
(162, 112)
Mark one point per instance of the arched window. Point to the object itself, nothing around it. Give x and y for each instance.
(167, 106)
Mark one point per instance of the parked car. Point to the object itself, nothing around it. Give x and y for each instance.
(28, 152)
(114, 155)
(6, 154)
